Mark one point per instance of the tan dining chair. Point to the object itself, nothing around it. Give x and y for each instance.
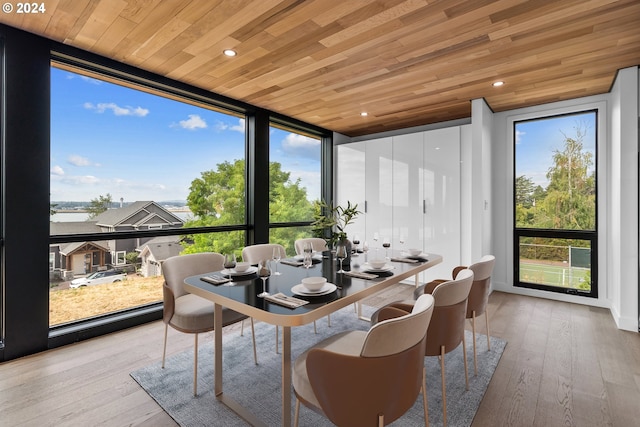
(478, 296)
(446, 330)
(366, 378)
(318, 244)
(190, 313)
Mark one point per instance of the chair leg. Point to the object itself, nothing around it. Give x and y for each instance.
(486, 319)
(164, 349)
(296, 414)
(277, 339)
(315, 329)
(425, 404)
(195, 366)
(242, 327)
(464, 357)
(253, 336)
(380, 420)
(475, 353)
(329, 320)
(444, 387)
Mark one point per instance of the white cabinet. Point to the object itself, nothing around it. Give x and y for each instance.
(410, 187)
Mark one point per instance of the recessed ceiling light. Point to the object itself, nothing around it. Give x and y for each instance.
(498, 83)
(230, 52)
(364, 114)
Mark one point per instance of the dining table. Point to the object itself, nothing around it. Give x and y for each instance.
(241, 294)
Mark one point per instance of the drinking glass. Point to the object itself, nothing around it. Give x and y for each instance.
(365, 249)
(276, 257)
(356, 242)
(386, 244)
(264, 272)
(376, 237)
(307, 261)
(230, 261)
(402, 241)
(341, 254)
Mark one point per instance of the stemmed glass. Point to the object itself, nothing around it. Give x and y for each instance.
(264, 272)
(230, 262)
(307, 260)
(356, 242)
(365, 249)
(276, 257)
(341, 254)
(386, 244)
(376, 237)
(402, 242)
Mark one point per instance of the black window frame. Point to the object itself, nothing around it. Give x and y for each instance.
(589, 235)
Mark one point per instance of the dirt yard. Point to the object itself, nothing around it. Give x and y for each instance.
(67, 305)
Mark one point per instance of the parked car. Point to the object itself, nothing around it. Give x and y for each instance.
(99, 277)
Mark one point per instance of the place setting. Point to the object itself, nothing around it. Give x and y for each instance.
(313, 287)
(379, 267)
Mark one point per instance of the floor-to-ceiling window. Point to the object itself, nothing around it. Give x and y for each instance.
(555, 203)
(294, 183)
(131, 168)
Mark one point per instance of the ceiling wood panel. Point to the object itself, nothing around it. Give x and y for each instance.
(405, 62)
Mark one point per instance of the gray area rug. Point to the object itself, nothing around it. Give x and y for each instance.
(258, 387)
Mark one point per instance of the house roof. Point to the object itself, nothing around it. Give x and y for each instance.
(405, 62)
(161, 248)
(130, 215)
(69, 248)
(73, 227)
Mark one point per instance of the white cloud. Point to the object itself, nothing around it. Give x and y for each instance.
(297, 141)
(116, 109)
(57, 170)
(519, 135)
(193, 122)
(222, 126)
(77, 160)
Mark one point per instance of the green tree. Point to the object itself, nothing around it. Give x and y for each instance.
(524, 191)
(570, 200)
(99, 205)
(217, 198)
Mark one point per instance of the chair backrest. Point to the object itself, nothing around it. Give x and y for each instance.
(447, 323)
(354, 389)
(479, 294)
(176, 269)
(255, 253)
(318, 245)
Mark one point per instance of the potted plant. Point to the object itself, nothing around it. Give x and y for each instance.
(331, 221)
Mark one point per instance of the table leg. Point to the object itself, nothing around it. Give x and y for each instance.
(286, 376)
(217, 331)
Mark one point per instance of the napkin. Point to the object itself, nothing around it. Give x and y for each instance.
(285, 300)
(215, 280)
(409, 260)
(360, 275)
(291, 262)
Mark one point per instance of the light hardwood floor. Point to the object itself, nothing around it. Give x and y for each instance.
(564, 364)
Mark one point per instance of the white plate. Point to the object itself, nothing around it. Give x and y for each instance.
(326, 289)
(378, 270)
(232, 272)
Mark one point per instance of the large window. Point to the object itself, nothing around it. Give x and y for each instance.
(137, 175)
(555, 203)
(294, 183)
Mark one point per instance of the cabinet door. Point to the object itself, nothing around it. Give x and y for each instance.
(378, 193)
(407, 191)
(441, 180)
(351, 182)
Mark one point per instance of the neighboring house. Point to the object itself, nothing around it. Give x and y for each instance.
(155, 251)
(85, 257)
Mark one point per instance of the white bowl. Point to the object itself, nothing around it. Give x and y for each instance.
(242, 266)
(377, 263)
(415, 252)
(314, 283)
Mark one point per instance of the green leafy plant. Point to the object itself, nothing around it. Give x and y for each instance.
(331, 221)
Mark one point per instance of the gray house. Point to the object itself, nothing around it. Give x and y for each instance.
(67, 259)
(155, 251)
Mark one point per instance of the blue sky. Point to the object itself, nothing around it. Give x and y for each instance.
(536, 141)
(110, 139)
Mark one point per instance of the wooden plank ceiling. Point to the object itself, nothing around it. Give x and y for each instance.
(404, 62)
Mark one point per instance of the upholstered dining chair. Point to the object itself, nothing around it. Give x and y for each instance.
(359, 378)
(478, 296)
(190, 313)
(318, 244)
(446, 330)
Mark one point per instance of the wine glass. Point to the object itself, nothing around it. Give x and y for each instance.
(376, 237)
(277, 256)
(356, 242)
(264, 272)
(365, 249)
(341, 254)
(307, 261)
(230, 262)
(402, 242)
(386, 244)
